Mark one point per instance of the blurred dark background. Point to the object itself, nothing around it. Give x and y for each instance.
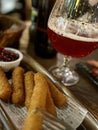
(15, 7)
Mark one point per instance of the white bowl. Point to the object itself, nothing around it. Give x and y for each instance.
(9, 65)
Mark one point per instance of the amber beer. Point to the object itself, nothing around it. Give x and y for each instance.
(71, 42)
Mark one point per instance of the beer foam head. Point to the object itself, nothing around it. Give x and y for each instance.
(74, 29)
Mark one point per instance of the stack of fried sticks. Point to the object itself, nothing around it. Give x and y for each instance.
(33, 91)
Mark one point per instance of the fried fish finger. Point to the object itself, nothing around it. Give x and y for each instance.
(5, 87)
(33, 121)
(58, 97)
(29, 85)
(50, 106)
(39, 95)
(38, 100)
(18, 86)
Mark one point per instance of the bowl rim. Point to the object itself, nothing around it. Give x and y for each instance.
(15, 51)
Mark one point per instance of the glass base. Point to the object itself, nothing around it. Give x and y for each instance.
(65, 75)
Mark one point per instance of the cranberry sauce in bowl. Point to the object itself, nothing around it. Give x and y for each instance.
(8, 55)
(10, 58)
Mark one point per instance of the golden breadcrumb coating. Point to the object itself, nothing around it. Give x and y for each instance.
(5, 87)
(29, 86)
(18, 96)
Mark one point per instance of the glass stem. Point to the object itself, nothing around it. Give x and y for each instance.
(66, 61)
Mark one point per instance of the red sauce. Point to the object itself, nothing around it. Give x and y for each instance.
(8, 55)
